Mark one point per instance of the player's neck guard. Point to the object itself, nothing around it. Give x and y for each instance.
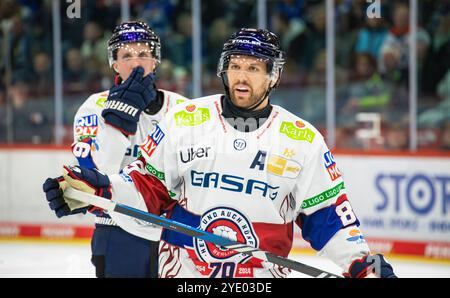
(231, 113)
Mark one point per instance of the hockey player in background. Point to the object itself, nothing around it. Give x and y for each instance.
(237, 166)
(108, 128)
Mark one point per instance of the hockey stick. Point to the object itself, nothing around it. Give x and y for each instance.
(194, 232)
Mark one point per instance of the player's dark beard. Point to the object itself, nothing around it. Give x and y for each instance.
(254, 98)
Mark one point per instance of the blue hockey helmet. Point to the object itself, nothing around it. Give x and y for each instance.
(133, 32)
(259, 43)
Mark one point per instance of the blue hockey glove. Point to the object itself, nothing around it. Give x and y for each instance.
(54, 193)
(126, 101)
(374, 264)
(87, 180)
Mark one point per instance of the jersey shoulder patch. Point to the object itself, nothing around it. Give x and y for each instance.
(193, 112)
(295, 128)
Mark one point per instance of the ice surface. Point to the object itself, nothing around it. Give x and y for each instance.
(51, 259)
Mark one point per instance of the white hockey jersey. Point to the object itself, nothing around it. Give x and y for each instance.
(251, 187)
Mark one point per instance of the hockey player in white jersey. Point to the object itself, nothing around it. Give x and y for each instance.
(237, 166)
(108, 128)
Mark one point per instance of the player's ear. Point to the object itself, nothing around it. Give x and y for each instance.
(115, 67)
(274, 80)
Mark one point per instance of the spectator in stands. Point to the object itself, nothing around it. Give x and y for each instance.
(441, 113)
(19, 45)
(74, 72)
(371, 37)
(157, 14)
(179, 43)
(219, 30)
(95, 42)
(314, 37)
(42, 78)
(94, 73)
(367, 91)
(291, 32)
(396, 136)
(317, 75)
(439, 50)
(29, 124)
(391, 70)
(399, 36)
(345, 135)
(171, 78)
(291, 8)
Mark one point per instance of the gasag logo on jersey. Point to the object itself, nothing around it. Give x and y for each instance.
(297, 131)
(228, 223)
(254, 188)
(152, 141)
(280, 166)
(189, 154)
(331, 166)
(86, 126)
(192, 116)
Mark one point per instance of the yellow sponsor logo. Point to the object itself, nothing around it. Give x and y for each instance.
(280, 166)
(101, 102)
(289, 153)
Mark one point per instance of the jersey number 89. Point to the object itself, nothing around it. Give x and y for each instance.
(345, 213)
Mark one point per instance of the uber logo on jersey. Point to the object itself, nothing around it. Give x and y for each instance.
(189, 154)
(239, 144)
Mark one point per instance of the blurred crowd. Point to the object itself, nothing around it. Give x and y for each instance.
(372, 62)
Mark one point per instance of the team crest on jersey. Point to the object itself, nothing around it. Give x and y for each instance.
(228, 223)
(86, 126)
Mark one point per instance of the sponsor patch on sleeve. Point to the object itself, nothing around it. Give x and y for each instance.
(331, 166)
(86, 126)
(152, 141)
